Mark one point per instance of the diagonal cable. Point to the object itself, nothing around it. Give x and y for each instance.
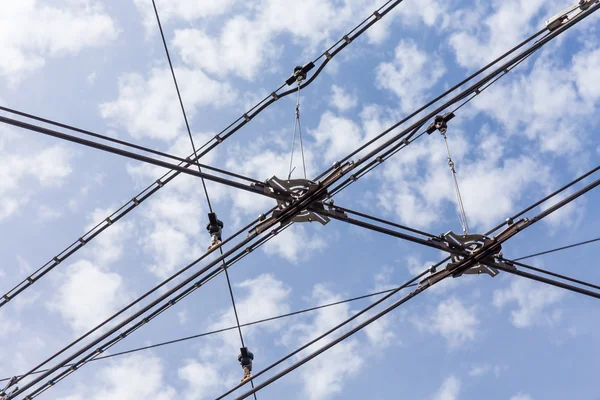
(557, 249)
(224, 266)
(217, 331)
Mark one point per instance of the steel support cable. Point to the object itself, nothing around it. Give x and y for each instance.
(463, 266)
(135, 156)
(297, 128)
(320, 191)
(149, 317)
(557, 249)
(230, 328)
(472, 91)
(199, 170)
(95, 355)
(148, 293)
(473, 88)
(554, 274)
(463, 215)
(383, 221)
(550, 282)
(320, 337)
(399, 235)
(127, 144)
(365, 170)
(187, 124)
(499, 71)
(551, 195)
(204, 149)
(440, 97)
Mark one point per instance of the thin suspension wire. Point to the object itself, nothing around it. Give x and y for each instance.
(187, 125)
(463, 215)
(217, 331)
(297, 128)
(557, 249)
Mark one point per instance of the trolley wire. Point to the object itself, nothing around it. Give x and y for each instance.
(224, 134)
(320, 337)
(464, 265)
(303, 202)
(221, 330)
(554, 274)
(557, 249)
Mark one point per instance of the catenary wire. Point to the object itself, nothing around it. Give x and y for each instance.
(227, 132)
(554, 274)
(557, 249)
(217, 331)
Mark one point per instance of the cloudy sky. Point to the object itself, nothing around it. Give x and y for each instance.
(100, 65)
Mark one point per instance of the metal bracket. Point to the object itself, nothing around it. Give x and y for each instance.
(289, 191)
(461, 246)
(299, 73)
(563, 17)
(440, 123)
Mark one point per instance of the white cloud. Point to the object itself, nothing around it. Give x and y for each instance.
(25, 176)
(325, 375)
(150, 108)
(330, 130)
(242, 42)
(521, 396)
(188, 10)
(341, 99)
(296, 242)
(46, 213)
(129, 378)
(453, 321)
(480, 370)
(88, 295)
(108, 247)
(535, 302)
(449, 390)
(31, 32)
(488, 35)
(203, 379)
(411, 74)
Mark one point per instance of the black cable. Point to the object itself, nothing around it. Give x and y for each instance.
(199, 170)
(407, 228)
(214, 332)
(551, 195)
(124, 143)
(465, 264)
(139, 299)
(554, 274)
(557, 249)
(320, 337)
(438, 98)
(109, 149)
(550, 282)
(187, 124)
(208, 146)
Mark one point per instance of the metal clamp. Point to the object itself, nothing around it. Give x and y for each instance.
(299, 73)
(564, 16)
(440, 123)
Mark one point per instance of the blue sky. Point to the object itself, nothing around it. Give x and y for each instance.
(100, 65)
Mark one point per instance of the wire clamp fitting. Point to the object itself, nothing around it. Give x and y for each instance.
(215, 229)
(440, 123)
(299, 73)
(568, 14)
